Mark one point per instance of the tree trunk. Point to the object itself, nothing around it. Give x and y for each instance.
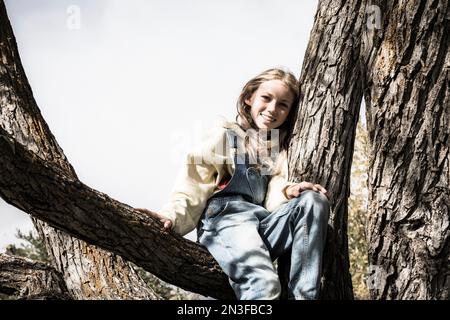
(402, 67)
(322, 146)
(48, 194)
(27, 279)
(408, 110)
(89, 273)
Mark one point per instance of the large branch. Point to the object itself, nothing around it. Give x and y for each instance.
(45, 192)
(324, 134)
(89, 273)
(28, 279)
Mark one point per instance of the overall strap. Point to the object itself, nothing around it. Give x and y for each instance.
(233, 142)
(232, 138)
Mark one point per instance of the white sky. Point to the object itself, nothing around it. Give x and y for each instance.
(130, 90)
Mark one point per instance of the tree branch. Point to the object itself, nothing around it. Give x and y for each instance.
(28, 279)
(98, 273)
(45, 192)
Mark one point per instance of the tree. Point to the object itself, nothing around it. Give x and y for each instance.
(32, 277)
(85, 268)
(322, 146)
(29, 279)
(36, 272)
(407, 97)
(27, 144)
(399, 61)
(354, 51)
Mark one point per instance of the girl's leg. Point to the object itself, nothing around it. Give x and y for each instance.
(300, 224)
(233, 240)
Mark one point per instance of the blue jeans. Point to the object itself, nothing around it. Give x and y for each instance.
(245, 238)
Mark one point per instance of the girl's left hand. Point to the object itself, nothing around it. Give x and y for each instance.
(295, 190)
(167, 223)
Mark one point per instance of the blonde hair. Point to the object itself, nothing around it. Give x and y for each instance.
(253, 144)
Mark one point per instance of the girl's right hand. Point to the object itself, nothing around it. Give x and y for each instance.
(295, 190)
(167, 223)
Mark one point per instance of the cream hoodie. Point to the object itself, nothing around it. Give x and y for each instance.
(201, 174)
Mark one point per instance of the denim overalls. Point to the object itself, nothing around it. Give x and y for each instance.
(245, 238)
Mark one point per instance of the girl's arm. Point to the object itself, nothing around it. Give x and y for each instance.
(196, 181)
(280, 190)
(296, 189)
(275, 195)
(167, 223)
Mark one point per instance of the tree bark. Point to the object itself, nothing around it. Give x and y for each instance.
(27, 279)
(48, 194)
(401, 67)
(322, 145)
(408, 109)
(89, 273)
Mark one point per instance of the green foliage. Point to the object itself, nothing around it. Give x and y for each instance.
(33, 248)
(358, 203)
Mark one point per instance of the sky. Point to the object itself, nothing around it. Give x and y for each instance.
(127, 87)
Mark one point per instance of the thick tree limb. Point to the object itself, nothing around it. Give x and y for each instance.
(89, 272)
(28, 279)
(48, 194)
(403, 70)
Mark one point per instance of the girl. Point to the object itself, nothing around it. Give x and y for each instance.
(246, 212)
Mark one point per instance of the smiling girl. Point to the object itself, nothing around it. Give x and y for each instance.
(234, 190)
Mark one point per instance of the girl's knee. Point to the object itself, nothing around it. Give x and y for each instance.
(264, 289)
(314, 197)
(315, 203)
(273, 291)
(310, 197)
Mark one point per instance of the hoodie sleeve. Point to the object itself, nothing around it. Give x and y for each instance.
(275, 195)
(196, 181)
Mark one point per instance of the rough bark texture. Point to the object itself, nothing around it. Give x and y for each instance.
(48, 194)
(27, 279)
(322, 145)
(401, 67)
(89, 273)
(408, 110)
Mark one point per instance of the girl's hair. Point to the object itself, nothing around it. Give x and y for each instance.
(245, 120)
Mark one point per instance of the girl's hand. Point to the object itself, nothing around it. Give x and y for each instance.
(294, 190)
(167, 223)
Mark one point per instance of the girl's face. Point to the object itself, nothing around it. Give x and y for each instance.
(270, 104)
